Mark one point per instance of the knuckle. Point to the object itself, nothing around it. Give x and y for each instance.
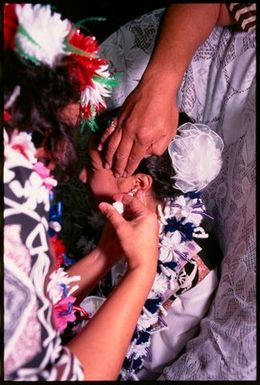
(119, 156)
(156, 151)
(111, 147)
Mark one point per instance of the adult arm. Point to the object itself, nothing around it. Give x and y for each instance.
(148, 118)
(97, 263)
(102, 344)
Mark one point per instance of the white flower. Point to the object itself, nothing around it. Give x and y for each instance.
(185, 207)
(146, 320)
(95, 95)
(160, 285)
(57, 278)
(196, 156)
(43, 32)
(19, 148)
(168, 244)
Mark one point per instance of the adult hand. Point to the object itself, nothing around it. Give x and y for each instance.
(137, 235)
(145, 125)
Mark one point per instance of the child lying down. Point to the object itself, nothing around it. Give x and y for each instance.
(188, 256)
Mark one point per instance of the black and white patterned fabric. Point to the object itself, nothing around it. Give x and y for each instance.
(218, 89)
(32, 346)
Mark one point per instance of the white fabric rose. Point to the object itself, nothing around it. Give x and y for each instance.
(196, 156)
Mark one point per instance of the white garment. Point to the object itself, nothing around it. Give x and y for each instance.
(183, 321)
(218, 89)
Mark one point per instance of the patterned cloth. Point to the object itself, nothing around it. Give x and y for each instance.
(33, 349)
(218, 89)
(244, 15)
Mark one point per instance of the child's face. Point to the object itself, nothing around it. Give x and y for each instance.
(101, 181)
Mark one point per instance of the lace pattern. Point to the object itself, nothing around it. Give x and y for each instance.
(218, 89)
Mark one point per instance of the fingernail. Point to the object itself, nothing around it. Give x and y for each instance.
(100, 147)
(124, 174)
(102, 206)
(117, 175)
(107, 165)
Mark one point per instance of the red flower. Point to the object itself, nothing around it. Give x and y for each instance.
(7, 116)
(81, 67)
(58, 250)
(10, 25)
(86, 110)
(85, 43)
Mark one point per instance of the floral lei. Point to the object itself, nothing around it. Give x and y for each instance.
(59, 289)
(179, 225)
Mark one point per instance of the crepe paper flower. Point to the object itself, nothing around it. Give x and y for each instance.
(67, 261)
(176, 249)
(196, 156)
(40, 34)
(58, 249)
(55, 218)
(44, 172)
(58, 279)
(10, 25)
(81, 44)
(7, 116)
(188, 210)
(186, 230)
(63, 312)
(19, 142)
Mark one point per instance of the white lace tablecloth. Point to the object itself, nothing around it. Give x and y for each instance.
(218, 89)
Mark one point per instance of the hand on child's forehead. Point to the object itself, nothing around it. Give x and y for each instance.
(94, 155)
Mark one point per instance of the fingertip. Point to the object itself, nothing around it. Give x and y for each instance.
(100, 147)
(103, 206)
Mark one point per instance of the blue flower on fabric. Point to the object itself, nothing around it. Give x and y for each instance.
(186, 230)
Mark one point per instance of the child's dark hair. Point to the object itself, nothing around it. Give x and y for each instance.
(44, 92)
(159, 167)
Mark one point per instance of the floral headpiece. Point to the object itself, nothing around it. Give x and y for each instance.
(196, 156)
(41, 36)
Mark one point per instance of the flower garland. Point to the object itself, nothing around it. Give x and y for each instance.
(39, 35)
(58, 287)
(179, 225)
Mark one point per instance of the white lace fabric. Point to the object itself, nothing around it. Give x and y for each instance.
(218, 89)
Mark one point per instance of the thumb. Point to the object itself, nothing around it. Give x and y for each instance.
(112, 214)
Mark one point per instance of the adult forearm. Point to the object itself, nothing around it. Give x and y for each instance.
(102, 345)
(184, 28)
(91, 269)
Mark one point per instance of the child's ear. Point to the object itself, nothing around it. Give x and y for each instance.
(83, 176)
(143, 182)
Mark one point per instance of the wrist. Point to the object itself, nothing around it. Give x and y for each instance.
(166, 81)
(106, 257)
(145, 272)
